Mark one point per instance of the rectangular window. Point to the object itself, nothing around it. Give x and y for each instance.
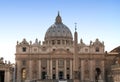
(58, 41)
(24, 62)
(54, 76)
(53, 42)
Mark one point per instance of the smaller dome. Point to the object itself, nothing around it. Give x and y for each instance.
(117, 50)
(58, 30)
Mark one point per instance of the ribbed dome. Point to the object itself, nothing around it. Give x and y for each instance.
(58, 30)
(115, 50)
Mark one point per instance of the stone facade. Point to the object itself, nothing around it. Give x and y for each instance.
(59, 57)
(6, 71)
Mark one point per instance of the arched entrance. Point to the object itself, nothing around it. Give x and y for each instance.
(2, 75)
(44, 73)
(23, 74)
(97, 74)
(61, 75)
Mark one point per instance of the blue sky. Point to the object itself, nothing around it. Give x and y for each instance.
(30, 19)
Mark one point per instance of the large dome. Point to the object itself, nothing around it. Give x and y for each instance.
(58, 30)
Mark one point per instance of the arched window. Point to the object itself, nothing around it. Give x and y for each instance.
(24, 49)
(97, 49)
(23, 74)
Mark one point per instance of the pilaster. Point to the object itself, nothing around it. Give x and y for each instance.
(64, 69)
(39, 69)
(57, 69)
(50, 69)
(91, 70)
(18, 71)
(30, 69)
(71, 68)
(82, 70)
(7, 77)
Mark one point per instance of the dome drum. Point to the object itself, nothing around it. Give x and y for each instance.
(59, 42)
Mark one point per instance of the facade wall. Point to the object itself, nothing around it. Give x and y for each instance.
(61, 57)
(44, 61)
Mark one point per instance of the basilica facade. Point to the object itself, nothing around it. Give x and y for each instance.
(61, 56)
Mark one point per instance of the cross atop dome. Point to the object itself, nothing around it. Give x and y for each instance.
(75, 27)
(58, 19)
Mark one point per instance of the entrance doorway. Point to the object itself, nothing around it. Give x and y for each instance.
(61, 74)
(98, 74)
(2, 75)
(44, 75)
